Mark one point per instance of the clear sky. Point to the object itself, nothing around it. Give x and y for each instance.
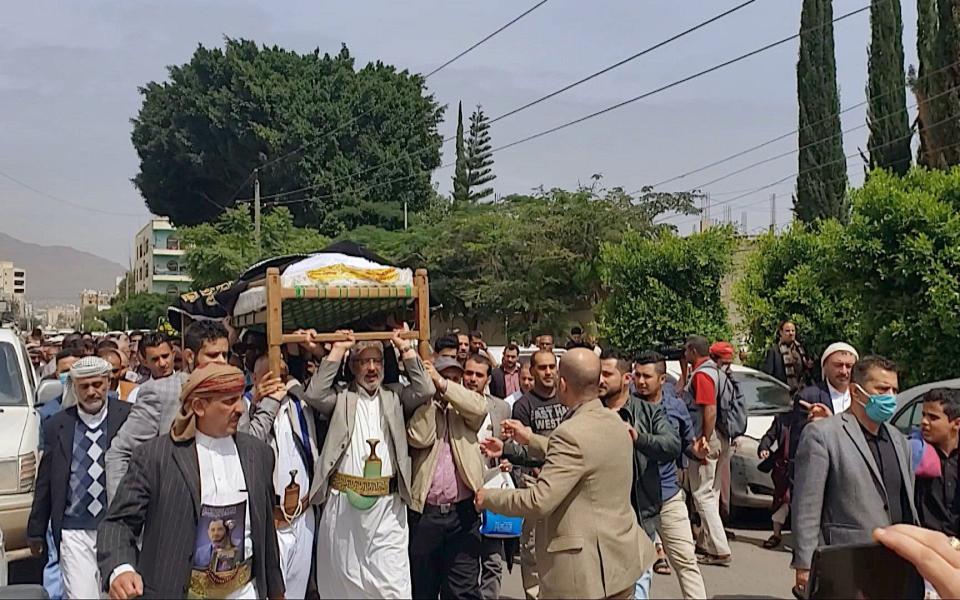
(69, 73)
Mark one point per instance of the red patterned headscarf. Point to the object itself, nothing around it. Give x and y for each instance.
(211, 382)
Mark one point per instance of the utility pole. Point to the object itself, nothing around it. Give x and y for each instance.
(773, 213)
(256, 208)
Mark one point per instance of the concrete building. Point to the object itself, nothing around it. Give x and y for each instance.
(13, 280)
(62, 316)
(159, 266)
(100, 300)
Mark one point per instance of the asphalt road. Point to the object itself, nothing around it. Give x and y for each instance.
(754, 573)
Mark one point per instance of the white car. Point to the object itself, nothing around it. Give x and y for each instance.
(19, 437)
(909, 405)
(766, 397)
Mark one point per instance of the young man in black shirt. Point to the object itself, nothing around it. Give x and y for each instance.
(540, 410)
(936, 497)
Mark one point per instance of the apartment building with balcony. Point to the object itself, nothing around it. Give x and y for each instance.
(159, 266)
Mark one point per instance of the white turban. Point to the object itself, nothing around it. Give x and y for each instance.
(838, 347)
(88, 366)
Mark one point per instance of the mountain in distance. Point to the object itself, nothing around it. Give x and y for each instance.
(59, 273)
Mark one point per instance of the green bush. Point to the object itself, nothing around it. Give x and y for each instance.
(786, 278)
(662, 289)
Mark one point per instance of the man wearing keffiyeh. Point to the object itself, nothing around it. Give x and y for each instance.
(204, 469)
(71, 482)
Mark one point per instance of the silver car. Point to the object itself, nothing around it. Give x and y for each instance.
(766, 397)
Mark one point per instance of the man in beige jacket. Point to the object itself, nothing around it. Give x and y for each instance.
(447, 470)
(589, 544)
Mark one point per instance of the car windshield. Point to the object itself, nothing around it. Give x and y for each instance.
(11, 380)
(763, 396)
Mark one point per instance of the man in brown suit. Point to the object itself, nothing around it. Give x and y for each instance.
(589, 544)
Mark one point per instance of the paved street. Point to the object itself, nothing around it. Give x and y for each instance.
(755, 573)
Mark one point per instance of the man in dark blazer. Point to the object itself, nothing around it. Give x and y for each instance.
(505, 379)
(162, 498)
(71, 482)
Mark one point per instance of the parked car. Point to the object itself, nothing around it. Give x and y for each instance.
(19, 433)
(766, 397)
(909, 409)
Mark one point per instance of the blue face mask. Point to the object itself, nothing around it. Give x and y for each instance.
(879, 407)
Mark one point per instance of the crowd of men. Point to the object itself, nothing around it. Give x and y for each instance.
(175, 468)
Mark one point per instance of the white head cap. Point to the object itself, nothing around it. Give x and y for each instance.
(838, 347)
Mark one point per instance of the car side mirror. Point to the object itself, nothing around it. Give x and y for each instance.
(47, 390)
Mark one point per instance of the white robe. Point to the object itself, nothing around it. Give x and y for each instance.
(363, 553)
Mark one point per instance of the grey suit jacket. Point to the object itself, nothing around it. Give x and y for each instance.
(158, 402)
(160, 498)
(339, 406)
(838, 492)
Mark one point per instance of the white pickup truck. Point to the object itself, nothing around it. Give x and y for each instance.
(19, 437)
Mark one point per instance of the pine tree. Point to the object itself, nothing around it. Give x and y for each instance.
(890, 133)
(479, 156)
(822, 182)
(461, 178)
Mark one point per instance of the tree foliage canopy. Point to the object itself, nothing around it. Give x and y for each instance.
(890, 132)
(139, 311)
(661, 289)
(822, 178)
(363, 141)
(525, 261)
(785, 279)
(221, 251)
(889, 282)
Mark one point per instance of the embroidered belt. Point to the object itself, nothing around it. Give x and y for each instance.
(207, 584)
(364, 486)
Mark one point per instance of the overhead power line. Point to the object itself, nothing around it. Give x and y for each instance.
(537, 101)
(788, 134)
(346, 124)
(804, 171)
(567, 124)
(66, 202)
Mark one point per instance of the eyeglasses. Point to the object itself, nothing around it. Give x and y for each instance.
(368, 361)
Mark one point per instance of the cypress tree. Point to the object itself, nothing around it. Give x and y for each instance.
(461, 185)
(936, 85)
(479, 156)
(890, 133)
(822, 182)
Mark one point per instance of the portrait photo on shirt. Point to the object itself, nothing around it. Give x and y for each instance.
(219, 541)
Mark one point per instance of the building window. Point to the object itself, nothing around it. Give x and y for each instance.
(172, 290)
(172, 266)
(173, 243)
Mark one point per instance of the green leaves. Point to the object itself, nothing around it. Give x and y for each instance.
(889, 282)
(659, 290)
(221, 251)
(200, 135)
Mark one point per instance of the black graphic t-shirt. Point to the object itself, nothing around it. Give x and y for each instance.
(540, 414)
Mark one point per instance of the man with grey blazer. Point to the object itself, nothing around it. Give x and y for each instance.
(853, 470)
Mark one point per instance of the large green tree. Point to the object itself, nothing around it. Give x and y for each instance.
(822, 179)
(890, 132)
(661, 289)
(525, 261)
(222, 250)
(479, 156)
(139, 311)
(356, 143)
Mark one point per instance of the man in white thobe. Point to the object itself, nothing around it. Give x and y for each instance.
(291, 432)
(363, 474)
